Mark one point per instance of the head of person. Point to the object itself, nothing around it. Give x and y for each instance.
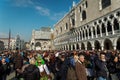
(3, 60)
(30, 55)
(39, 62)
(63, 56)
(32, 61)
(102, 56)
(81, 57)
(116, 59)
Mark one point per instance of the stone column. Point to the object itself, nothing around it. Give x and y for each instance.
(88, 34)
(85, 45)
(100, 5)
(65, 47)
(102, 46)
(68, 47)
(113, 31)
(79, 36)
(82, 34)
(114, 47)
(92, 32)
(100, 30)
(119, 22)
(71, 47)
(80, 46)
(93, 46)
(106, 29)
(75, 46)
(85, 34)
(96, 32)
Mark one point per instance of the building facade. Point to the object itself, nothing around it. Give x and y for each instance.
(1, 45)
(41, 39)
(89, 25)
(5, 43)
(19, 43)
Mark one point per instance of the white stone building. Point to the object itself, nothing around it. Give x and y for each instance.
(41, 39)
(1, 45)
(19, 43)
(91, 24)
(6, 41)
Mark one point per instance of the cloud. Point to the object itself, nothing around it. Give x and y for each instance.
(3, 35)
(40, 9)
(22, 3)
(57, 16)
(43, 11)
(33, 4)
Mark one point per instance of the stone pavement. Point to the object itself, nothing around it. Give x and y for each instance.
(11, 76)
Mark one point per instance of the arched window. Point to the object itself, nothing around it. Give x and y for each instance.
(103, 28)
(86, 4)
(80, 35)
(105, 3)
(66, 26)
(83, 15)
(60, 29)
(73, 22)
(83, 34)
(116, 24)
(109, 27)
(93, 30)
(38, 44)
(89, 32)
(98, 30)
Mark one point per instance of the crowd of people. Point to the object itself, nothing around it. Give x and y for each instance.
(61, 65)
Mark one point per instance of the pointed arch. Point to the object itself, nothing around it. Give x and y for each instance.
(89, 32)
(73, 47)
(77, 46)
(83, 15)
(118, 44)
(108, 44)
(93, 30)
(89, 46)
(103, 28)
(97, 45)
(38, 44)
(82, 46)
(116, 24)
(109, 27)
(98, 29)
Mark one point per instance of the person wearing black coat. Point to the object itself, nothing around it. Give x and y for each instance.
(61, 68)
(31, 72)
(101, 68)
(112, 67)
(118, 66)
(4, 69)
(1, 70)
